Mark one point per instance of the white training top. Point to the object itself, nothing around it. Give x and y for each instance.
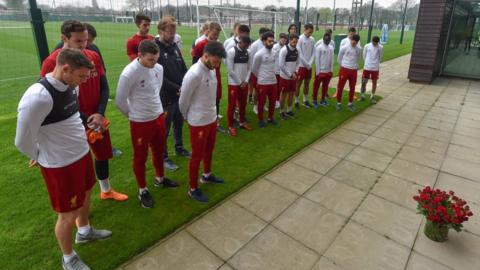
(346, 41)
(255, 47)
(138, 92)
(320, 41)
(372, 56)
(324, 58)
(200, 38)
(305, 48)
(54, 145)
(198, 95)
(348, 56)
(276, 49)
(287, 68)
(230, 43)
(264, 66)
(238, 73)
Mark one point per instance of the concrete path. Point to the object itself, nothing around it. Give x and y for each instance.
(345, 202)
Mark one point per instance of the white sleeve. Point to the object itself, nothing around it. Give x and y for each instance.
(123, 91)
(340, 56)
(281, 61)
(230, 64)
(256, 63)
(381, 54)
(249, 70)
(364, 53)
(303, 61)
(333, 56)
(33, 108)
(317, 60)
(312, 58)
(189, 85)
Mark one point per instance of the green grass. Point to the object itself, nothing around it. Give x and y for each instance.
(26, 231)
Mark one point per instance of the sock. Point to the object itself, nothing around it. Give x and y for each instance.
(159, 179)
(84, 229)
(141, 190)
(68, 257)
(206, 174)
(349, 103)
(305, 98)
(296, 99)
(338, 103)
(104, 185)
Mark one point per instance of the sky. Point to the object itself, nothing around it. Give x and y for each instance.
(255, 3)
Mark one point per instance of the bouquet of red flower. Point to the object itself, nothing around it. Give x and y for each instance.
(443, 211)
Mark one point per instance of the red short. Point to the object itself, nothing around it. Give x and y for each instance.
(102, 149)
(67, 185)
(287, 85)
(370, 74)
(304, 73)
(253, 80)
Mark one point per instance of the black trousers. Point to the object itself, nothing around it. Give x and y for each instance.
(174, 116)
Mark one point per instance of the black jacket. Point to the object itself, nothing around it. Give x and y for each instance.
(174, 69)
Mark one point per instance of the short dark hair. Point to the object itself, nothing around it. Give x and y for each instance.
(352, 30)
(356, 37)
(74, 58)
(376, 39)
(283, 35)
(91, 30)
(292, 36)
(141, 17)
(72, 26)
(329, 31)
(266, 35)
(308, 26)
(245, 39)
(244, 28)
(215, 48)
(214, 26)
(148, 46)
(263, 30)
(291, 26)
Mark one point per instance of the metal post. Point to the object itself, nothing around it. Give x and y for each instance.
(178, 15)
(370, 24)
(198, 21)
(38, 29)
(334, 17)
(297, 16)
(403, 23)
(306, 13)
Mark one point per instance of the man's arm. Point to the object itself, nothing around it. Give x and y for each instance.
(189, 85)
(381, 54)
(303, 60)
(132, 52)
(230, 65)
(123, 91)
(32, 111)
(281, 62)
(340, 56)
(256, 63)
(312, 58)
(104, 95)
(317, 60)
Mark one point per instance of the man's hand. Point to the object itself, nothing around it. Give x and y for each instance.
(244, 84)
(32, 163)
(95, 122)
(294, 76)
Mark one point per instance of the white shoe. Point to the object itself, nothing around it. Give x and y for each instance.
(255, 109)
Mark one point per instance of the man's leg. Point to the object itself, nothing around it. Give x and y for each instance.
(306, 86)
(178, 132)
(168, 124)
(374, 87)
(140, 136)
(272, 98)
(232, 100)
(316, 86)
(342, 80)
(352, 81)
(198, 141)
(157, 146)
(297, 92)
(208, 150)
(325, 84)
(102, 150)
(63, 230)
(261, 102)
(242, 105)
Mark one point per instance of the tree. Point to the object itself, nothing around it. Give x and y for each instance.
(95, 4)
(15, 4)
(325, 14)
